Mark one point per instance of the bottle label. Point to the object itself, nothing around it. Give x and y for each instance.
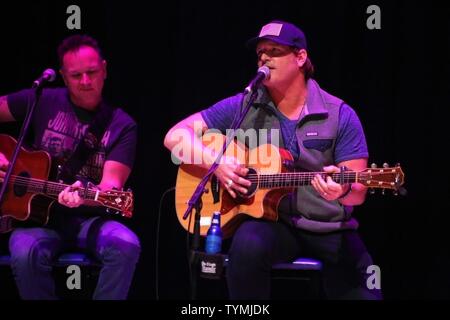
(213, 244)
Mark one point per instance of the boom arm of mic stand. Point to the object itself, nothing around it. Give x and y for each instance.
(196, 200)
(201, 187)
(198, 193)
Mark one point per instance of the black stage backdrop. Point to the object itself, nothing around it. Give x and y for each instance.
(171, 59)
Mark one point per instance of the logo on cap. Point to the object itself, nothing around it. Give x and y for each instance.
(271, 29)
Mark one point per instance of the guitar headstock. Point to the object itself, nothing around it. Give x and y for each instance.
(383, 178)
(121, 201)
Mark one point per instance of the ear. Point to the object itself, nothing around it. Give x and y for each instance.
(301, 57)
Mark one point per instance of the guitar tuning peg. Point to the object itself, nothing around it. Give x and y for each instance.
(373, 166)
(385, 165)
(372, 191)
(395, 192)
(397, 164)
(383, 191)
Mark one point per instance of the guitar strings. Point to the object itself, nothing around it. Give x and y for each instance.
(32, 183)
(296, 177)
(267, 179)
(279, 177)
(52, 188)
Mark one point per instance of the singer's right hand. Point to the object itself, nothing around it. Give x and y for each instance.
(230, 173)
(4, 163)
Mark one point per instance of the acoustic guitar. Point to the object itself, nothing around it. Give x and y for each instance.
(271, 181)
(30, 194)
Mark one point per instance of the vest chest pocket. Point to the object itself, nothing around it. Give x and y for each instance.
(318, 144)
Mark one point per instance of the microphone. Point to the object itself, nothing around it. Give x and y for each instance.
(263, 74)
(48, 75)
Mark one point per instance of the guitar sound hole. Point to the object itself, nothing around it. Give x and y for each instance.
(252, 189)
(20, 188)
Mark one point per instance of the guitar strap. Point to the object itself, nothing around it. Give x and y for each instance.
(89, 143)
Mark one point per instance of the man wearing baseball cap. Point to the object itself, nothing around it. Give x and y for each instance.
(286, 34)
(323, 134)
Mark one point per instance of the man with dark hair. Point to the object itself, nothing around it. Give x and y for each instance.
(74, 42)
(323, 134)
(67, 113)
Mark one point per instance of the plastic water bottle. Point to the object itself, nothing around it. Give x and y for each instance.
(213, 242)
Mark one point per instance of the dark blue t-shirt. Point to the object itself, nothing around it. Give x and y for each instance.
(350, 141)
(58, 125)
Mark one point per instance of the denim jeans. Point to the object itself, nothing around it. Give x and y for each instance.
(257, 245)
(33, 250)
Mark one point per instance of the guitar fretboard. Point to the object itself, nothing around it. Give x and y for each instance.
(52, 189)
(296, 179)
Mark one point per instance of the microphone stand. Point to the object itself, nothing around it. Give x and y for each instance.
(6, 222)
(195, 202)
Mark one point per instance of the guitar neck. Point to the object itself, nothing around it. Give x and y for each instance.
(297, 179)
(48, 188)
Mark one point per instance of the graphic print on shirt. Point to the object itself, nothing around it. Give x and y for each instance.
(94, 166)
(61, 137)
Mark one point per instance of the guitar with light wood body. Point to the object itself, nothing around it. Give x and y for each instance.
(271, 181)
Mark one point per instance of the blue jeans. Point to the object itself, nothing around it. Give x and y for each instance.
(257, 245)
(33, 250)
